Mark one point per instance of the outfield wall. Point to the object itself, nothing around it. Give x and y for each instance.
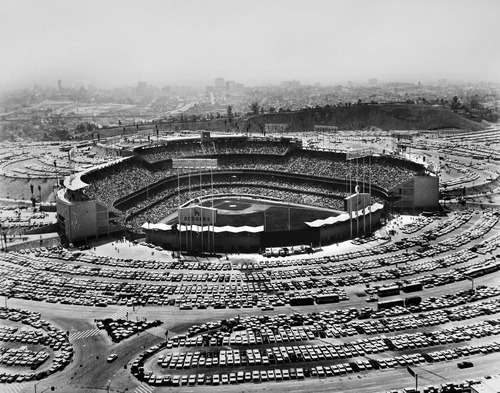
(208, 242)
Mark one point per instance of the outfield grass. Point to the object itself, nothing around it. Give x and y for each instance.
(276, 215)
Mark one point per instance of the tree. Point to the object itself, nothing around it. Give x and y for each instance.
(474, 102)
(80, 128)
(454, 102)
(229, 112)
(254, 107)
(272, 109)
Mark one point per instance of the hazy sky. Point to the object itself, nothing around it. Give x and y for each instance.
(191, 42)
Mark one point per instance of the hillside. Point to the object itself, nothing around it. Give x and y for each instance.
(356, 117)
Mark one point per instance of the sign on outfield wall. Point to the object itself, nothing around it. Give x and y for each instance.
(194, 163)
(197, 215)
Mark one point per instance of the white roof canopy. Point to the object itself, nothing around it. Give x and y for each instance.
(345, 216)
(205, 228)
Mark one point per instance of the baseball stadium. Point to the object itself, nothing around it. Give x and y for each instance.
(249, 263)
(254, 193)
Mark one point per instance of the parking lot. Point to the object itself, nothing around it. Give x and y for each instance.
(257, 320)
(32, 348)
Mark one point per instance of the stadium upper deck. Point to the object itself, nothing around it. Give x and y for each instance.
(114, 182)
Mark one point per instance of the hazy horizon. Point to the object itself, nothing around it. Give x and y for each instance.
(191, 42)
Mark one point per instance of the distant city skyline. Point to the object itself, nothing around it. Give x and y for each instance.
(293, 83)
(191, 42)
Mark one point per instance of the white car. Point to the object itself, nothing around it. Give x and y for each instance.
(111, 358)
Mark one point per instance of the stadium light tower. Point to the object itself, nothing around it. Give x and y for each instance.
(355, 154)
(179, 226)
(196, 164)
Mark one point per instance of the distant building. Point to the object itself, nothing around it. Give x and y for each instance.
(59, 84)
(220, 83)
(239, 87)
(230, 86)
(142, 88)
(443, 82)
(372, 81)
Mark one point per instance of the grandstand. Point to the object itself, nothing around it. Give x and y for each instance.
(145, 187)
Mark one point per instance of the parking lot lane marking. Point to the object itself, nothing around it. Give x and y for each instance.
(144, 389)
(15, 388)
(121, 313)
(84, 334)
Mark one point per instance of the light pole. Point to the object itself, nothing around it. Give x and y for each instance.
(2, 239)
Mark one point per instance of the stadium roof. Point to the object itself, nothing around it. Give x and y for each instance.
(76, 183)
(205, 228)
(344, 217)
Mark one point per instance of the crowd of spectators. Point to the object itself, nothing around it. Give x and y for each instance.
(195, 148)
(155, 211)
(380, 171)
(117, 181)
